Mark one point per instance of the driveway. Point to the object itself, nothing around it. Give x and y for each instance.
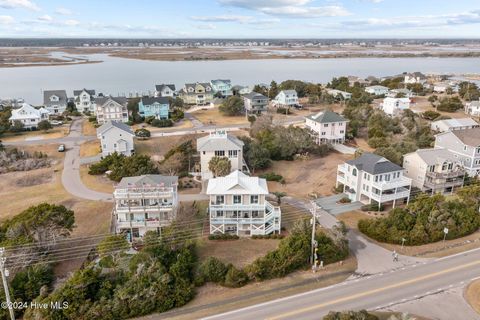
(331, 204)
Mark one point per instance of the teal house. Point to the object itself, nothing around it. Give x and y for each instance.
(157, 107)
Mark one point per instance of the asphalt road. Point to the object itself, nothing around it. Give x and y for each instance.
(370, 292)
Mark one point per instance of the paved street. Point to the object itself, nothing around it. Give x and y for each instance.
(370, 292)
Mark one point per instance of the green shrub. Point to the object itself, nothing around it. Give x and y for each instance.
(223, 236)
(235, 278)
(213, 270)
(372, 207)
(163, 123)
(272, 176)
(142, 133)
(268, 236)
(345, 200)
(350, 315)
(92, 119)
(282, 110)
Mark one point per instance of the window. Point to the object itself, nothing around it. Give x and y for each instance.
(220, 153)
(254, 199)
(376, 178)
(354, 172)
(341, 131)
(324, 133)
(220, 200)
(326, 125)
(387, 177)
(237, 199)
(232, 153)
(219, 213)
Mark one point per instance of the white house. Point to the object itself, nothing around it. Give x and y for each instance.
(55, 101)
(144, 203)
(220, 144)
(465, 144)
(415, 77)
(164, 90)
(373, 179)
(334, 92)
(393, 106)
(286, 99)
(28, 116)
(441, 87)
(238, 205)
(453, 124)
(84, 100)
(377, 90)
(111, 109)
(473, 108)
(434, 170)
(116, 137)
(329, 126)
(405, 93)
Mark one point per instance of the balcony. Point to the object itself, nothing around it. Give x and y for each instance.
(151, 223)
(236, 207)
(392, 184)
(139, 193)
(446, 175)
(401, 193)
(443, 184)
(154, 208)
(342, 168)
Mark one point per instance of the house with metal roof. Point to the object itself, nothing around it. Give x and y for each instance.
(454, 124)
(84, 100)
(164, 90)
(465, 144)
(434, 170)
(144, 203)
(220, 144)
(372, 179)
(377, 90)
(328, 126)
(158, 107)
(473, 108)
(55, 101)
(116, 137)
(238, 205)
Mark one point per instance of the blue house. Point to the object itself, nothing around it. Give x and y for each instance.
(224, 87)
(157, 107)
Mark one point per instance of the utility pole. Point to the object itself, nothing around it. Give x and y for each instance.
(4, 272)
(314, 242)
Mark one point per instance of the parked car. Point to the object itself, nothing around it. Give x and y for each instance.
(56, 123)
(61, 148)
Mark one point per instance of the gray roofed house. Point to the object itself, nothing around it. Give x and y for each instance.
(55, 101)
(111, 109)
(116, 137)
(84, 100)
(91, 92)
(470, 137)
(152, 100)
(148, 180)
(197, 93)
(119, 125)
(100, 101)
(255, 103)
(164, 90)
(374, 164)
(212, 143)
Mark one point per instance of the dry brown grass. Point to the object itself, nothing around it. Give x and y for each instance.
(213, 299)
(90, 148)
(184, 124)
(304, 177)
(214, 117)
(238, 252)
(95, 182)
(432, 250)
(88, 128)
(56, 132)
(422, 104)
(472, 295)
(159, 146)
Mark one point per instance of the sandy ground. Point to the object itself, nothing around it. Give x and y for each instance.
(304, 177)
(159, 146)
(472, 295)
(184, 124)
(431, 250)
(88, 129)
(214, 117)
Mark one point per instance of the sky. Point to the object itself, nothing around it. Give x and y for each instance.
(240, 18)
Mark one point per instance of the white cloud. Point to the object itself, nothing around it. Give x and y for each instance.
(208, 26)
(6, 20)
(45, 18)
(71, 23)
(288, 8)
(63, 11)
(15, 4)
(223, 18)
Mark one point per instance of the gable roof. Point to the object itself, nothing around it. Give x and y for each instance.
(160, 87)
(218, 140)
(326, 116)
(255, 95)
(288, 91)
(470, 137)
(151, 100)
(148, 180)
(89, 91)
(377, 87)
(237, 183)
(435, 156)
(27, 112)
(114, 124)
(374, 164)
(453, 123)
(61, 94)
(100, 101)
(193, 85)
(220, 81)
